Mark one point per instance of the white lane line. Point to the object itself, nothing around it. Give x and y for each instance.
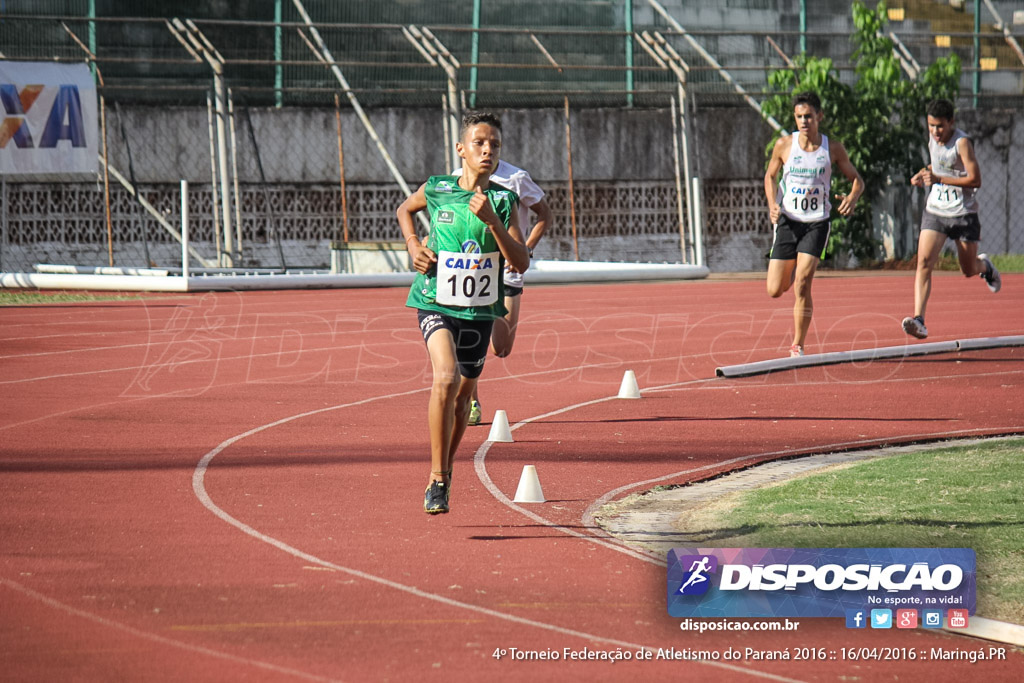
(179, 363)
(600, 537)
(171, 343)
(588, 520)
(199, 488)
(480, 466)
(172, 334)
(251, 312)
(303, 376)
(74, 611)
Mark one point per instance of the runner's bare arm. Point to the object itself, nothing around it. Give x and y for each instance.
(543, 212)
(423, 259)
(771, 177)
(510, 240)
(973, 177)
(840, 158)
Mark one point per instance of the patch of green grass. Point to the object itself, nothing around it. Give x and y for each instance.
(962, 497)
(1008, 263)
(21, 297)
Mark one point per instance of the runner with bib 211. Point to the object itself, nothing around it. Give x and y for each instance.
(953, 178)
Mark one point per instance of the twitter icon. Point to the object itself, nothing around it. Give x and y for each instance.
(881, 618)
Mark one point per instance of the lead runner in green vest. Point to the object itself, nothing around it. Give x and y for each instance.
(458, 291)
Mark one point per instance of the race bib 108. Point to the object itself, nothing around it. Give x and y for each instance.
(806, 202)
(467, 279)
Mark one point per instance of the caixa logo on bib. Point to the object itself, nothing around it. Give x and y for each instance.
(816, 582)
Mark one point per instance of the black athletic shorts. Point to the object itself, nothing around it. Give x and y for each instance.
(512, 290)
(966, 228)
(472, 337)
(793, 236)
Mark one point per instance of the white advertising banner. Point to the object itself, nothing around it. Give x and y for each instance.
(49, 122)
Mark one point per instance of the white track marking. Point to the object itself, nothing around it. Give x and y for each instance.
(480, 466)
(146, 345)
(68, 609)
(186, 392)
(199, 488)
(587, 519)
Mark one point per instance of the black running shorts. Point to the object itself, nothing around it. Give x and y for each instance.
(512, 290)
(472, 337)
(792, 237)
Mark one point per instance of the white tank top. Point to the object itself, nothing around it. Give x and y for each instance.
(949, 200)
(806, 181)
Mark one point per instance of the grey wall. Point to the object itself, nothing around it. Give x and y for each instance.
(301, 146)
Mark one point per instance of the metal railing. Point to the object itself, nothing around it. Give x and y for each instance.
(256, 115)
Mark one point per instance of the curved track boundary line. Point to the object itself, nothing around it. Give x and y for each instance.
(480, 466)
(199, 488)
(74, 611)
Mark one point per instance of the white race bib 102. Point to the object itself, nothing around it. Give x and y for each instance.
(467, 279)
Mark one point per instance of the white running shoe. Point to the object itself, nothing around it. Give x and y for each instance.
(991, 276)
(915, 327)
(795, 351)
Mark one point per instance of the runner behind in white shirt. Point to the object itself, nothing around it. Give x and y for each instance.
(951, 212)
(531, 197)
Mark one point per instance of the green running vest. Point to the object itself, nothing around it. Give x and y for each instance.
(466, 272)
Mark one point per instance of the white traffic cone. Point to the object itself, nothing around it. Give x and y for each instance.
(529, 490)
(500, 431)
(629, 387)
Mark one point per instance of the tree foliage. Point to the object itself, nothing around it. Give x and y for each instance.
(878, 118)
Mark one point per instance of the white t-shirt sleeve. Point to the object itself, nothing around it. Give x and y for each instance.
(529, 192)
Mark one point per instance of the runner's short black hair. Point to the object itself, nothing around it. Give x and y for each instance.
(474, 117)
(941, 109)
(809, 98)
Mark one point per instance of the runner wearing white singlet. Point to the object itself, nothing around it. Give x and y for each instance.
(951, 211)
(799, 208)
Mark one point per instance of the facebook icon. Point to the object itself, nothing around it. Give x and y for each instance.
(856, 618)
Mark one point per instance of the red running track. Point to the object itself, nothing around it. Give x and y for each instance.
(228, 486)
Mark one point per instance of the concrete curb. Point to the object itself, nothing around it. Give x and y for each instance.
(647, 522)
(817, 359)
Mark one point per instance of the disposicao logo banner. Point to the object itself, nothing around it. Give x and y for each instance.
(817, 582)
